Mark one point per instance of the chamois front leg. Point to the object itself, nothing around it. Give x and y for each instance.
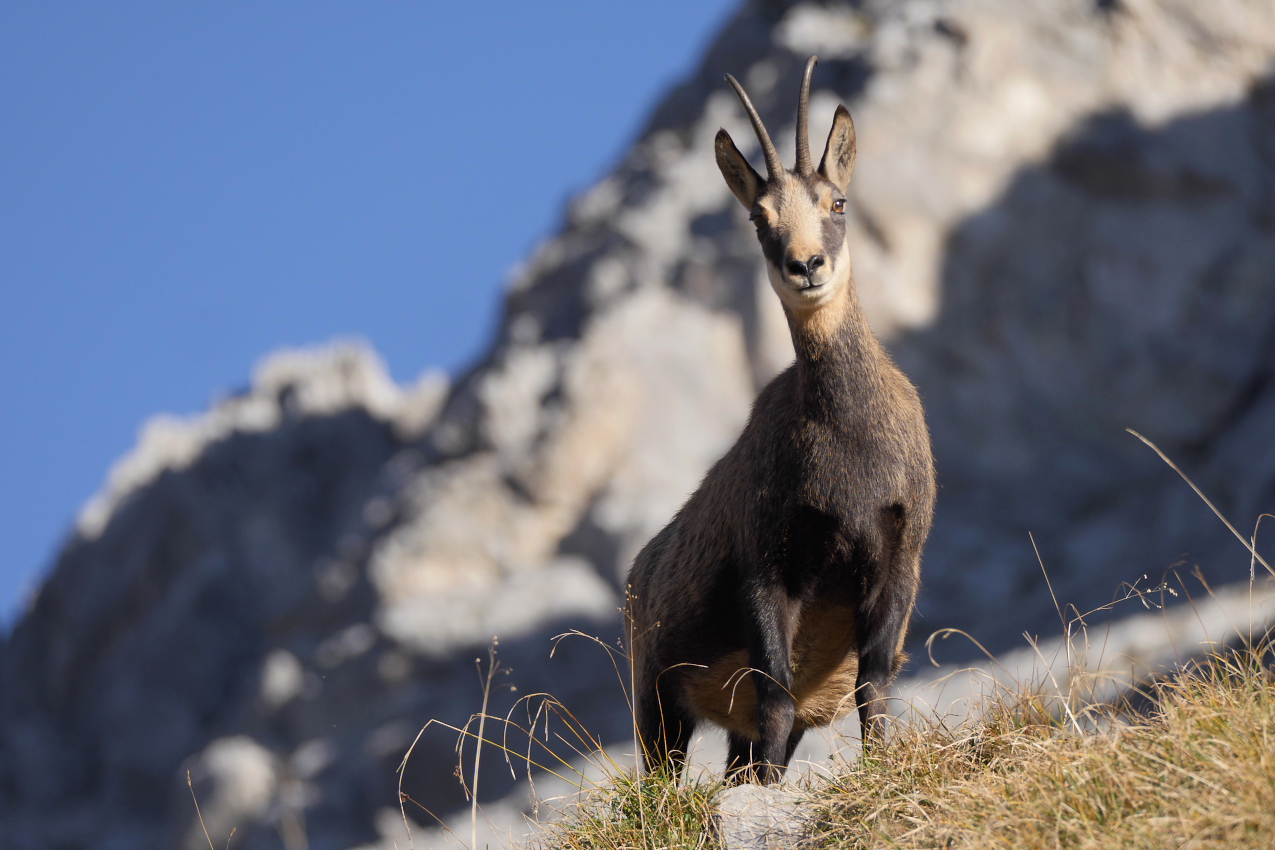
(881, 619)
(770, 656)
(664, 726)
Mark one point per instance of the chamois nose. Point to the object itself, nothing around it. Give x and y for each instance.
(799, 269)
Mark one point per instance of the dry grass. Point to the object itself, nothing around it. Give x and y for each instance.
(1197, 771)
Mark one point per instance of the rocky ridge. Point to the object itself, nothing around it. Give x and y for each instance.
(1064, 226)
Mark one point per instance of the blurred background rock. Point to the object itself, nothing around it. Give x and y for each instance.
(1063, 226)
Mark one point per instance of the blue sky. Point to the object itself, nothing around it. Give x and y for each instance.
(187, 187)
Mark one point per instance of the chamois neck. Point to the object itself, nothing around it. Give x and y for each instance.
(837, 353)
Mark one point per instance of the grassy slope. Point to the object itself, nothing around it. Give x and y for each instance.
(1197, 770)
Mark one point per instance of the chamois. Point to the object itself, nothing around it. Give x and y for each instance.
(778, 597)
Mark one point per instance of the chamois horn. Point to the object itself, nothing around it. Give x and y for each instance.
(774, 167)
(804, 167)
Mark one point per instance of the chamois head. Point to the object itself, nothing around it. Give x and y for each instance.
(799, 214)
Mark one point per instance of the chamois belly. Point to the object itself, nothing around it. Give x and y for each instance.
(825, 667)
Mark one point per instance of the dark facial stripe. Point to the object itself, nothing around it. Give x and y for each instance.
(772, 247)
(833, 235)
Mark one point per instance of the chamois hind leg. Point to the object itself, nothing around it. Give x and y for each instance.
(881, 620)
(664, 728)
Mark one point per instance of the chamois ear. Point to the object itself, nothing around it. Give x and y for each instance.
(838, 156)
(744, 181)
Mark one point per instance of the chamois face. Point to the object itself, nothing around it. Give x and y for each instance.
(799, 214)
(801, 225)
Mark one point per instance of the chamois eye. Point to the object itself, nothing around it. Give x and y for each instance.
(839, 205)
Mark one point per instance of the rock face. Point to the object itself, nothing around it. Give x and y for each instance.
(1063, 226)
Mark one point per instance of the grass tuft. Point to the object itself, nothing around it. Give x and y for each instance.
(1197, 771)
(637, 813)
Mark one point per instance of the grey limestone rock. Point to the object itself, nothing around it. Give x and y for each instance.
(755, 817)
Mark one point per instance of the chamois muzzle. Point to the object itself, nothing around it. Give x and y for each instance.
(806, 269)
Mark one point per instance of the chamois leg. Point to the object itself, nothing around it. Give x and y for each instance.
(882, 620)
(770, 657)
(739, 759)
(794, 739)
(740, 763)
(664, 728)
(877, 661)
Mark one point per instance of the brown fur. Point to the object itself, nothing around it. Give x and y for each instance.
(778, 598)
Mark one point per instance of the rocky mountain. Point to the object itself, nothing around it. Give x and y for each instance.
(1063, 226)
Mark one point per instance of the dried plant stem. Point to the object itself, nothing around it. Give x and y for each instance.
(1240, 537)
(191, 786)
(478, 747)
